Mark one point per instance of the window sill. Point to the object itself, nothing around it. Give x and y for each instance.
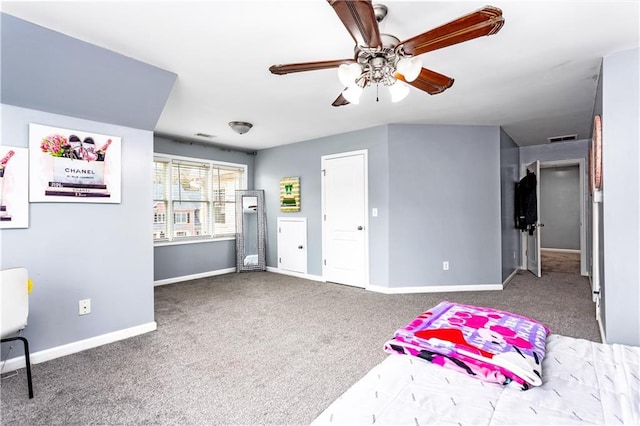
(191, 241)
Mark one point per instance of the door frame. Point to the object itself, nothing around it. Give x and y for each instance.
(535, 234)
(580, 162)
(365, 154)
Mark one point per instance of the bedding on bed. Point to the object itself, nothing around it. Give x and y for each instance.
(584, 383)
(489, 344)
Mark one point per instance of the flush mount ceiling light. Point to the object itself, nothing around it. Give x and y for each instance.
(240, 127)
(382, 59)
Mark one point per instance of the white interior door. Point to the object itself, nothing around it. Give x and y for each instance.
(533, 239)
(292, 244)
(344, 183)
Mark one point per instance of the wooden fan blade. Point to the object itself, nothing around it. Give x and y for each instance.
(429, 81)
(308, 66)
(340, 101)
(360, 20)
(482, 22)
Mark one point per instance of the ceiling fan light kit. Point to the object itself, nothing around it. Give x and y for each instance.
(398, 91)
(352, 94)
(349, 73)
(240, 127)
(410, 68)
(383, 59)
(379, 66)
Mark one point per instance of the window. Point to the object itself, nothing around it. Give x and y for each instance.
(181, 217)
(218, 213)
(199, 195)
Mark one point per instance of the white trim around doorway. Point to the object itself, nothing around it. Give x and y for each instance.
(580, 162)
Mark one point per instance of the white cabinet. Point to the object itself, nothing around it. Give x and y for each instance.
(292, 244)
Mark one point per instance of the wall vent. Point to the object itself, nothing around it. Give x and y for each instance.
(563, 138)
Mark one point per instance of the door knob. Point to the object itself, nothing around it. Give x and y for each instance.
(300, 247)
(359, 228)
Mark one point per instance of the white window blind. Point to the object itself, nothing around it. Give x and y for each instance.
(191, 196)
(194, 199)
(225, 183)
(160, 198)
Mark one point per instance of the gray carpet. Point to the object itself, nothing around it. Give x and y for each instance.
(257, 348)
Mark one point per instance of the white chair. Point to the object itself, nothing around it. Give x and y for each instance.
(14, 310)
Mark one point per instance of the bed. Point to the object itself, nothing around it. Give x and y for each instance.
(582, 382)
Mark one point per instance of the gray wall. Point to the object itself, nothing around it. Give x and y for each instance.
(180, 260)
(556, 151)
(560, 207)
(183, 260)
(303, 159)
(509, 176)
(423, 180)
(49, 71)
(75, 251)
(621, 195)
(444, 204)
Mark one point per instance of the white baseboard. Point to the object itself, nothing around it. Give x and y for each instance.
(602, 335)
(559, 250)
(400, 290)
(80, 345)
(295, 274)
(194, 276)
(509, 278)
(434, 289)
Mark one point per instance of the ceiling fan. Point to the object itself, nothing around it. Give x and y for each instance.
(384, 59)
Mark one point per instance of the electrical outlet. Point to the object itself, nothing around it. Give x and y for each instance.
(84, 307)
(445, 265)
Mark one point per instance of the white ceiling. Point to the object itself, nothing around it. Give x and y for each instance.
(536, 78)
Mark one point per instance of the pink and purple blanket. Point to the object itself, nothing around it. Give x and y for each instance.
(488, 344)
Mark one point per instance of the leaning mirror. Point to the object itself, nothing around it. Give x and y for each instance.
(250, 230)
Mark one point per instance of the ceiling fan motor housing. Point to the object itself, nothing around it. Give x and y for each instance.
(378, 64)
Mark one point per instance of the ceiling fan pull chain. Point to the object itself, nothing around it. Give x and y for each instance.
(377, 91)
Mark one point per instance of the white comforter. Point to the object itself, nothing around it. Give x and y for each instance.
(583, 383)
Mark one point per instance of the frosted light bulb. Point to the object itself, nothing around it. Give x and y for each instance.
(348, 73)
(352, 94)
(398, 91)
(409, 68)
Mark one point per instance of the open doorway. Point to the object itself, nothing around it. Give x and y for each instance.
(562, 217)
(560, 212)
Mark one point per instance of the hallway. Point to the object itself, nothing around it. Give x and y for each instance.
(559, 261)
